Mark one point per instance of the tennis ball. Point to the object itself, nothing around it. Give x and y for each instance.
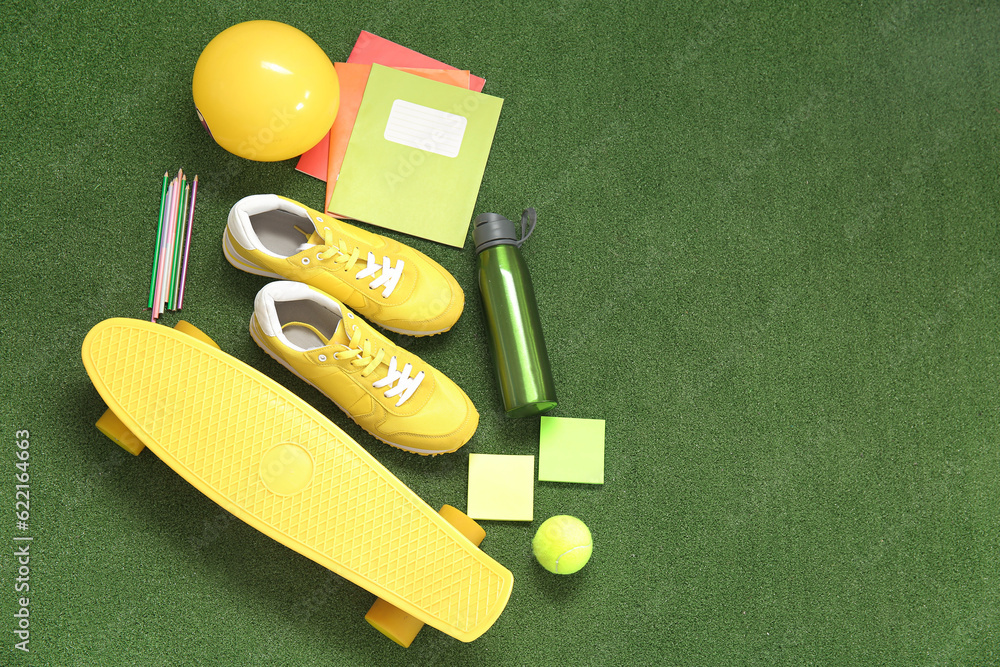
(562, 544)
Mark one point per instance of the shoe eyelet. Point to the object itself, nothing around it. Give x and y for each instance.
(350, 315)
(322, 357)
(305, 260)
(319, 219)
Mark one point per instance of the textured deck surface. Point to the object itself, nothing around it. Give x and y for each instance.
(272, 460)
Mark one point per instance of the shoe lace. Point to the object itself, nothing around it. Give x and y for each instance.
(338, 251)
(399, 381)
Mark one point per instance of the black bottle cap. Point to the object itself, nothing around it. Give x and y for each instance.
(492, 229)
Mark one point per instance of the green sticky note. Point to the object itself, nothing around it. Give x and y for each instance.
(571, 450)
(501, 487)
(416, 156)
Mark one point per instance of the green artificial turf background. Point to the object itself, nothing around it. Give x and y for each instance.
(766, 255)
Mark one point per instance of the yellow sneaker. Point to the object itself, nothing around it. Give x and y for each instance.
(391, 284)
(389, 392)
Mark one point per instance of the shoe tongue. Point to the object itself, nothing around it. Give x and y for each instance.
(309, 337)
(310, 239)
(304, 335)
(340, 336)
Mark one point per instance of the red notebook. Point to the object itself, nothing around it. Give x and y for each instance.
(372, 49)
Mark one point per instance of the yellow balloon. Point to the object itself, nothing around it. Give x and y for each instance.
(265, 91)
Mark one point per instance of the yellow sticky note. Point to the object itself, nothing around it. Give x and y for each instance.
(501, 487)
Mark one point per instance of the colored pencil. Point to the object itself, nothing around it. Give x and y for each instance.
(158, 300)
(187, 242)
(169, 248)
(175, 273)
(156, 251)
(173, 243)
(159, 252)
(173, 240)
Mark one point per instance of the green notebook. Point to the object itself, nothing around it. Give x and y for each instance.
(416, 156)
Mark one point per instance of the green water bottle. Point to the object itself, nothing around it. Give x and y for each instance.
(514, 330)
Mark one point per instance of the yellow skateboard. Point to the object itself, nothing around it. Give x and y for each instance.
(275, 462)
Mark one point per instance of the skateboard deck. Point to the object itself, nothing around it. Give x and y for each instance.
(278, 464)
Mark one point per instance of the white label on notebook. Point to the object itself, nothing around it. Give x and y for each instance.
(425, 128)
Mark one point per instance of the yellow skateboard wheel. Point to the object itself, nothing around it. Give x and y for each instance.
(467, 526)
(395, 623)
(186, 327)
(111, 426)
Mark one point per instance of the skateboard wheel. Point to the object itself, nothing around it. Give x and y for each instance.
(186, 327)
(110, 425)
(471, 530)
(393, 622)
